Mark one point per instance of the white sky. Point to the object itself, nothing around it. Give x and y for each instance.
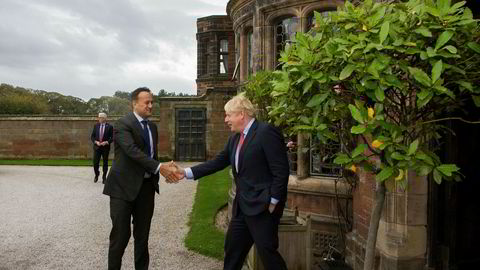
(92, 48)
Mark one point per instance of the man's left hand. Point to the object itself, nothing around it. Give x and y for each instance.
(271, 208)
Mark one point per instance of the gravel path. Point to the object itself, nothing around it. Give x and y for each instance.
(57, 218)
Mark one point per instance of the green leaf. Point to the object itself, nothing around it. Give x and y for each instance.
(451, 49)
(413, 147)
(427, 159)
(398, 156)
(423, 31)
(359, 150)
(447, 169)
(358, 129)
(347, 71)
(466, 85)
(437, 70)
(342, 159)
(443, 5)
(423, 170)
(303, 127)
(420, 76)
(307, 86)
(456, 6)
(423, 94)
(474, 46)
(384, 174)
(423, 102)
(379, 94)
(317, 100)
(437, 176)
(443, 39)
(356, 114)
(476, 100)
(384, 31)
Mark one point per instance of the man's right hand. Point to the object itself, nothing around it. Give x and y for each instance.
(170, 172)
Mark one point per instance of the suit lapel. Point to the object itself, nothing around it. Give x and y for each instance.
(137, 127)
(250, 136)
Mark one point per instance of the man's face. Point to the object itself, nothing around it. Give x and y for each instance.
(235, 120)
(143, 105)
(102, 120)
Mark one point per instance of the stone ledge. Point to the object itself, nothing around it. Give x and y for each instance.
(319, 185)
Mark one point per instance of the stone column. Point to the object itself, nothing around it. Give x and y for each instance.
(303, 164)
(402, 235)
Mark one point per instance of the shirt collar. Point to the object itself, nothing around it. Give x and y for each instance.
(247, 128)
(139, 118)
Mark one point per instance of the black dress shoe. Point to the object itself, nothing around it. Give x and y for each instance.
(104, 178)
(95, 179)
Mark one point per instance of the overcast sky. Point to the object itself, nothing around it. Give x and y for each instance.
(92, 48)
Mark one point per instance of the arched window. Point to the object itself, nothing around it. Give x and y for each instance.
(285, 31)
(223, 56)
(311, 18)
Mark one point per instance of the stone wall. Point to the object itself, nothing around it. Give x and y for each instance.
(42, 137)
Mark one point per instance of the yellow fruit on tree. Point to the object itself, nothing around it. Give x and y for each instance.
(376, 143)
(400, 175)
(371, 113)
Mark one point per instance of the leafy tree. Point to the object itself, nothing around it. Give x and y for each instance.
(381, 78)
(16, 100)
(122, 94)
(109, 105)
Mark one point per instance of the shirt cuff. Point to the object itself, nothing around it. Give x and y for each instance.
(273, 200)
(158, 168)
(189, 174)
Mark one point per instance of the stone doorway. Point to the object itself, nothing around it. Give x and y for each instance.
(454, 213)
(190, 134)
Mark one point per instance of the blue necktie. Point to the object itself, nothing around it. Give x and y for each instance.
(146, 137)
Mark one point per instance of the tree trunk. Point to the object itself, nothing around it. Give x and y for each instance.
(379, 199)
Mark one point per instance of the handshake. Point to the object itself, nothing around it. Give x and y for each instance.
(172, 172)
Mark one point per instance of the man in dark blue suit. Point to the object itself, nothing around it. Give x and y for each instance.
(258, 157)
(102, 137)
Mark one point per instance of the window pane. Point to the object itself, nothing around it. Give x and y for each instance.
(285, 31)
(224, 46)
(249, 52)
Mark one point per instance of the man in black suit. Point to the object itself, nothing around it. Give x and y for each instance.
(258, 157)
(133, 180)
(102, 137)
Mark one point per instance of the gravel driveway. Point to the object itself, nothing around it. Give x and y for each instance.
(57, 218)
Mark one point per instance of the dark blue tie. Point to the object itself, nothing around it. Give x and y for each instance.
(146, 137)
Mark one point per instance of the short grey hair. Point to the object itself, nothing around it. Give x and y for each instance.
(102, 115)
(240, 103)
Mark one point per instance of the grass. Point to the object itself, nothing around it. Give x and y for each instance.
(212, 194)
(50, 162)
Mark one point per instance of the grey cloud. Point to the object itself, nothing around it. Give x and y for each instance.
(80, 48)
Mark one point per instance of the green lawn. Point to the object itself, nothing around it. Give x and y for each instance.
(50, 162)
(212, 194)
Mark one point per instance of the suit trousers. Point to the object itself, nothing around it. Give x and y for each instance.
(121, 213)
(100, 152)
(261, 229)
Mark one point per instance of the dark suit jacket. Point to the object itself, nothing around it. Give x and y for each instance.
(130, 164)
(107, 135)
(263, 168)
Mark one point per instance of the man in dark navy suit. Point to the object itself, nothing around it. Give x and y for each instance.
(133, 181)
(258, 157)
(102, 137)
